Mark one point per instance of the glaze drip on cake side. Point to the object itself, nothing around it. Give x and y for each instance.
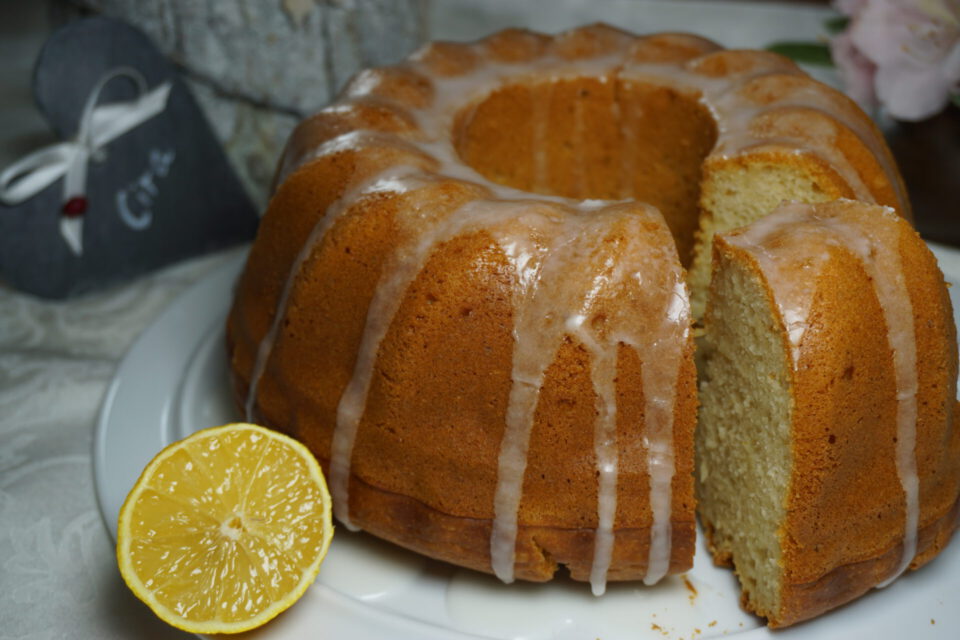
(417, 106)
(780, 243)
(567, 266)
(574, 282)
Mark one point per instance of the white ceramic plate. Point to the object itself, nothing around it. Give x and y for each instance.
(174, 382)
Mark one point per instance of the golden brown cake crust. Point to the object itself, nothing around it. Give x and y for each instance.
(850, 581)
(423, 467)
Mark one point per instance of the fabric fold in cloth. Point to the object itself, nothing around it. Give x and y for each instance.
(57, 359)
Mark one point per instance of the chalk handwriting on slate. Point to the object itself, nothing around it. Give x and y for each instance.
(135, 201)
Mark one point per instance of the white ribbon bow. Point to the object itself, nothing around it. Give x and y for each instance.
(99, 125)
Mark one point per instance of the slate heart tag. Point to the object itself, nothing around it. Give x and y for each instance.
(140, 181)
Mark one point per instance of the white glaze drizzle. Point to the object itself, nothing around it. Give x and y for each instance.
(592, 259)
(389, 180)
(780, 244)
(661, 370)
(425, 228)
(527, 380)
(733, 114)
(350, 141)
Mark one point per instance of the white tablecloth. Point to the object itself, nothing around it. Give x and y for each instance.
(58, 577)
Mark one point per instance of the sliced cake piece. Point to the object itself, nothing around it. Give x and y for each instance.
(828, 460)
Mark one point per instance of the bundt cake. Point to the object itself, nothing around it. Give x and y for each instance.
(828, 399)
(465, 299)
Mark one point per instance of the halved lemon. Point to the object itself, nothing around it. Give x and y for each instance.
(225, 529)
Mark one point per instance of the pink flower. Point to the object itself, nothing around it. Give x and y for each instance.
(856, 70)
(904, 54)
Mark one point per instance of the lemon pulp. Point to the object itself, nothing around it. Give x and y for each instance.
(225, 529)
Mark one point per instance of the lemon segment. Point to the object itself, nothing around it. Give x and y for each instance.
(225, 529)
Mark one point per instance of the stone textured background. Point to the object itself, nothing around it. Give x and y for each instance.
(258, 66)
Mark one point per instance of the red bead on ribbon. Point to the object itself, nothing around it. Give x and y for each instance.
(75, 207)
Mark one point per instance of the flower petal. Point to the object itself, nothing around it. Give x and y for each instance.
(856, 71)
(884, 31)
(951, 65)
(912, 92)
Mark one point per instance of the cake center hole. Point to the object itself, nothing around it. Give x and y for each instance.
(604, 138)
